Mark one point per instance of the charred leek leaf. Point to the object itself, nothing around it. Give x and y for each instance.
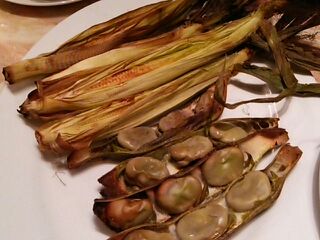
(281, 61)
(284, 80)
(273, 79)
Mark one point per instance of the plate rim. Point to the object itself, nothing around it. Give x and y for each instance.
(35, 3)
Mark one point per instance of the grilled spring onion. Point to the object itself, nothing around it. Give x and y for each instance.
(284, 80)
(297, 33)
(103, 122)
(149, 72)
(133, 25)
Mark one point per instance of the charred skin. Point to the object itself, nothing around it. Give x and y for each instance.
(125, 213)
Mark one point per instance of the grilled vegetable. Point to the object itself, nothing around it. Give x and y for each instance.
(135, 138)
(186, 189)
(104, 122)
(219, 217)
(191, 149)
(161, 67)
(244, 195)
(203, 223)
(126, 213)
(178, 195)
(100, 38)
(149, 235)
(224, 166)
(195, 114)
(111, 61)
(256, 145)
(145, 171)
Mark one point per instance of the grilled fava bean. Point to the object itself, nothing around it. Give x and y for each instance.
(148, 235)
(244, 195)
(145, 171)
(226, 132)
(134, 138)
(173, 120)
(178, 194)
(126, 213)
(223, 166)
(205, 223)
(191, 149)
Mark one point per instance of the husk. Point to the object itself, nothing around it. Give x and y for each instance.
(152, 71)
(106, 121)
(130, 26)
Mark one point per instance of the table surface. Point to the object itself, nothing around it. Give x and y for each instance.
(22, 26)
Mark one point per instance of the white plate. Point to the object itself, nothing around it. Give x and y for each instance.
(35, 204)
(43, 3)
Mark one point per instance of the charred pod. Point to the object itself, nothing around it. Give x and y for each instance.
(149, 235)
(219, 217)
(237, 159)
(125, 213)
(232, 130)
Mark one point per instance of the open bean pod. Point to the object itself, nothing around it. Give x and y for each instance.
(143, 140)
(219, 217)
(159, 204)
(140, 140)
(234, 129)
(142, 173)
(178, 193)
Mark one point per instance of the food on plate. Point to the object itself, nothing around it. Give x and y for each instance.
(220, 216)
(184, 189)
(117, 183)
(126, 213)
(193, 148)
(145, 171)
(147, 89)
(102, 37)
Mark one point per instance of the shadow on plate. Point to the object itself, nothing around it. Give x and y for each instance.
(316, 194)
(100, 227)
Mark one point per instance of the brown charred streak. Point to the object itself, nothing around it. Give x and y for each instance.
(272, 133)
(114, 185)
